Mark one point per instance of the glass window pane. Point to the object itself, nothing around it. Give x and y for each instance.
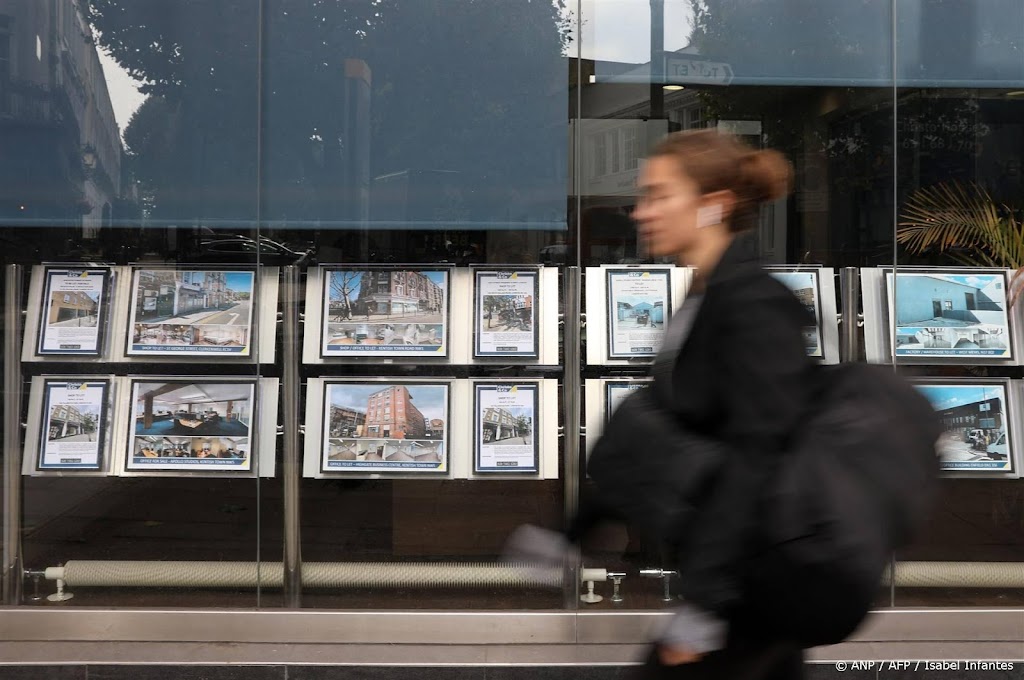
(816, 84)
(129, 137)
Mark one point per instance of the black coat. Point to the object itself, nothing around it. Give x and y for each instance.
(739, 387)
(742, 378)
(743, 375)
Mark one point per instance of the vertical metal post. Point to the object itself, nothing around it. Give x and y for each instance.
(12, 557)
(292, 461)
(657, 59)
(849, 287)
(571, 387)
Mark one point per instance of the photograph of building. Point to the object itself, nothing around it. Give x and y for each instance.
(193, 297)
(804, 285)
(507, 426)
(411, 296)
(73, 423)
(391, 414)
(73, 308)
(346, 422)
(405, 310)
(975, 423)
(382, 411)
(951, 312)
(504, 313)
(636, 313)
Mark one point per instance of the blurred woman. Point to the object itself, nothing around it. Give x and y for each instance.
(733, 371)
(739, 373)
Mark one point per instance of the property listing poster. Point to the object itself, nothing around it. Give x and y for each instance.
(73, 425)
(385, 312)
(639, 305)
(950, 315)
(616, 392)
(191, 426)
(74, 311)
(191, 313)
(976, 434)
(385, 427)
(506, 428)
(804, 286)
(506, 317)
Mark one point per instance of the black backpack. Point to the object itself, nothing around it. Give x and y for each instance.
(854, 488)
(800, 547)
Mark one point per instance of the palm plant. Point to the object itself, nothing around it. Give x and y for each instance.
(962, 221)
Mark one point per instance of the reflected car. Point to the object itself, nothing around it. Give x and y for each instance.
(228, 249)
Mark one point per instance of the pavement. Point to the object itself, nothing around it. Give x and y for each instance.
(237, 315)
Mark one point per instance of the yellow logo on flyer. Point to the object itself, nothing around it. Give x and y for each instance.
(83, 275)
(83, 387)
(515, 388)
(646, 275)
(515, 275)
(440, 348)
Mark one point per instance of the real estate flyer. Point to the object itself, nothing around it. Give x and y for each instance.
(73, 425)
(377, 426)
(951, 314)
(191, 313)
(804, 286)
(506, 317)
(639, 306)
(386, 312)
(616, 392)
(189, 425)
(74, 311)
(506, 437)
(976, 426)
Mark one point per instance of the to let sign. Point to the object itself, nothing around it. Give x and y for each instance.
(685, 71)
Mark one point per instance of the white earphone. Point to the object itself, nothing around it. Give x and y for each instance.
(709, 216)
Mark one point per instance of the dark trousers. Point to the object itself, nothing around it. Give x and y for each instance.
(741, 659)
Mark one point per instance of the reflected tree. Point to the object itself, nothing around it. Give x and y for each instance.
(472, 89)
(796, 38)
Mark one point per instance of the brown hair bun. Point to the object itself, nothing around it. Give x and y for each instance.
(768, 175)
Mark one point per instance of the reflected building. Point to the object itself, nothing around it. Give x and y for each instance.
(62, 150)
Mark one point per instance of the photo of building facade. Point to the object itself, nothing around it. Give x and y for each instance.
(640, 313)
(391, 414)
(498, 423)
(164, 294)
(977, 430)
(397, 292)
(73, 306)
(385, 292)
(924, 300)
(69, 421)
(347, 422)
